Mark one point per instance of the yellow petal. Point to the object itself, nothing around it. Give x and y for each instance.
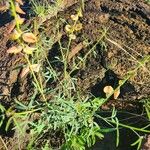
(19, 2)
(28, 50)
(68, 28)
(15, 35)
(74, 17)
(108, 90)
(18, 9)
(29, 37)
(14, 50)
(116, 93)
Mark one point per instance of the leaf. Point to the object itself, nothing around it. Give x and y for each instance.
(18, 9)
(29, 37)
(116, 93)
(15, 35)
(28, 50)
(19, 2)
(14, 50)
(8, 123)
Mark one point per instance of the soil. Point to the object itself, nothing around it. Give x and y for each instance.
(127, 40)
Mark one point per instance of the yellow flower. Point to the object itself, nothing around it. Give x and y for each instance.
(20, 20)
(75, 17)
(78, 26)
(72, 36)
(28, 50)
(15, 35)
(68, 28)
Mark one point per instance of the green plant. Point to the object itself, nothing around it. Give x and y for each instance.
(146, 103)
(44, 9)
(148, 1)
(62, 108)
(2, 114)
(73, 118)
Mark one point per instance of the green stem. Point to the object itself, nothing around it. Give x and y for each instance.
(35, 79)
(27, 112)
(130, 127)
(13, 10)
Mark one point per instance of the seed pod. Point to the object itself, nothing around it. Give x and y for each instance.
(14, 49)
(29, 37)
(116, 93)
(18, 9)
(34, 67)
(19, 2)
(108, 90)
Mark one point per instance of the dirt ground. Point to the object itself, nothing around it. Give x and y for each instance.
(127, 40)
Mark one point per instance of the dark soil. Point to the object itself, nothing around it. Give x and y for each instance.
(128, 24)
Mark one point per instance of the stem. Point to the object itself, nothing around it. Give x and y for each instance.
(4, 144)
(35, 79)
(27, 112)
(13, 10)
(130, 127)
(66, 59)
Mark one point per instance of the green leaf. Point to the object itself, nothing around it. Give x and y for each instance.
(138, 142)
(8, 123)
